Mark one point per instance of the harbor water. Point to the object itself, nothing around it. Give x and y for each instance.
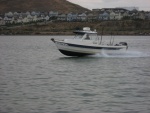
(36, 78)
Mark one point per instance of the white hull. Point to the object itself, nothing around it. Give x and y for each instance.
(82, 50)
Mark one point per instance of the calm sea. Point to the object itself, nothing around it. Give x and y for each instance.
(36, 78)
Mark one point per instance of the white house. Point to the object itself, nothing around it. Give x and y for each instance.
(33, 13)
(116, 15)
(30, 18)
(112, 15)
(125, 14)
(16, 14)
(9, 20)
(35, 18)
(82, 17)
(20, 19)
(46, 18)
(104, 16)
(9, 15)
(25, 20)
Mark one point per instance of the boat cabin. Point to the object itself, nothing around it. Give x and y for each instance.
(86, 34)
(86, 42)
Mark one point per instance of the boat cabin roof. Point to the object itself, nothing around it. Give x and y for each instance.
(86, 30)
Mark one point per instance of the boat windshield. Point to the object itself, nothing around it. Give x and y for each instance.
(92, 36)
(78, 36)
(87, 36)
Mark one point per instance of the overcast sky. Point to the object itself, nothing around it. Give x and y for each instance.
(93, 4)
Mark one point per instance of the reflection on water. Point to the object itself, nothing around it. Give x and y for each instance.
(36, 78)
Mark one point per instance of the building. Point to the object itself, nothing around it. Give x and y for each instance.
(130, 8)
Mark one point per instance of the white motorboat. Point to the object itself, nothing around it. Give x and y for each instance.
(86, 42)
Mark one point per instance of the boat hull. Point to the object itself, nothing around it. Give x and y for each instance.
(70, 49)
(71, 53)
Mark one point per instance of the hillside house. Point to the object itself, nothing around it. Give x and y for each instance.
(39, 18)
(42, 17)
(33, 13)
(28, 13)
(82, 17)
(8, 20)
(116, 15)
(53, 14)
(9, 14)
(25, 20)
(112, 15)
(72, 17)
(29, 18)
(47, 18)
(120, 15)
(69, 17)
(62, 17)
(35, 19)
(137, 15)
(125, 14)
(92, 17)
(16, 14)
(19, 20)
(104, 15)
(147, 15)
(141, 15)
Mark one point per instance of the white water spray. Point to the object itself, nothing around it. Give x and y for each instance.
(122, 54)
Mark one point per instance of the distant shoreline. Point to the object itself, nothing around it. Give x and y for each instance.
(123, 27)
(63, 35)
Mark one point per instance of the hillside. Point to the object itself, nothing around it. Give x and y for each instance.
(62, 6)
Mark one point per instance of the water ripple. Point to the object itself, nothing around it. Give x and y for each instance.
(36, 78)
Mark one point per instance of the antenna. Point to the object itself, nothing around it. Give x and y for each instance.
(111, 39)
(101, 35)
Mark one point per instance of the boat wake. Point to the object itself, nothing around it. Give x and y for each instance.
(122, 54)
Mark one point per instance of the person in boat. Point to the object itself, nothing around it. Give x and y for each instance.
(87, 37)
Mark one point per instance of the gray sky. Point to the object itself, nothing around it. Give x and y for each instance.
(93, 4)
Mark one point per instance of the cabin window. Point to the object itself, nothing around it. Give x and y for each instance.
(94, 37)
(78, 36)
(87, 37)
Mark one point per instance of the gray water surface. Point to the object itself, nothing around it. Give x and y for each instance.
(36, 78)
